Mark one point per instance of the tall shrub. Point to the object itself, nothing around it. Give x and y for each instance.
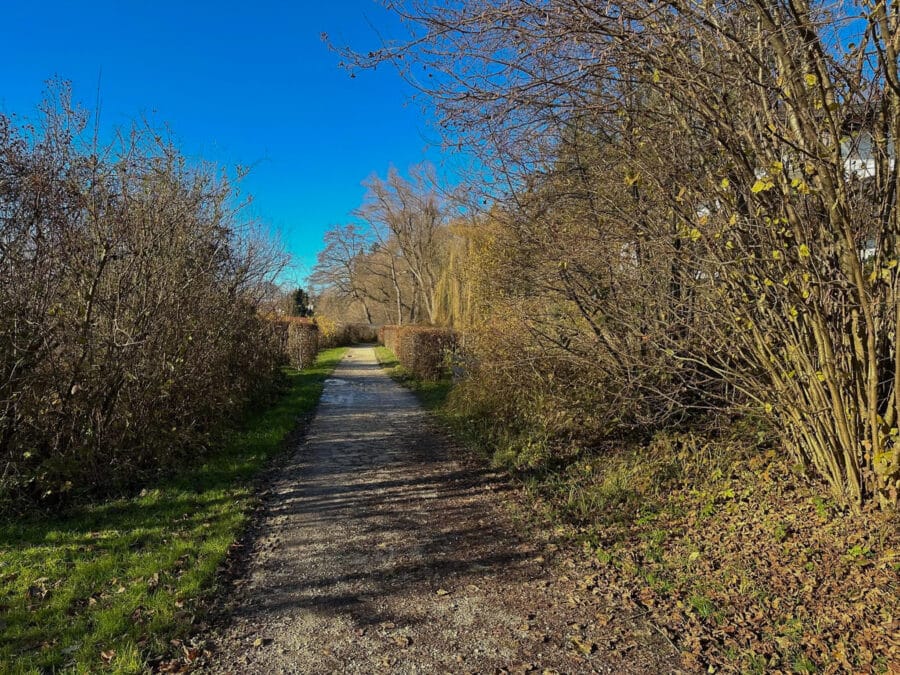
(756, 150)
(128, 326)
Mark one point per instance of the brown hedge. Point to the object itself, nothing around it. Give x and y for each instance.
(387, 336)
(422, 350)
(299, 340)
(337, 334)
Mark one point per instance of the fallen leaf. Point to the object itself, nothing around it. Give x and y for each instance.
(583, 646)
(402, 641)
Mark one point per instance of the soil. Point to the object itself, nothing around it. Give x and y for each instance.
(380, 549)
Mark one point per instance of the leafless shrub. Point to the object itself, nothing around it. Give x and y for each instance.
(128, 326)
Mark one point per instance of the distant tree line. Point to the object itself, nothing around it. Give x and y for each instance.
(394, 265)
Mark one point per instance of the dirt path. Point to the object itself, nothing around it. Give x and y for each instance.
(377, 552)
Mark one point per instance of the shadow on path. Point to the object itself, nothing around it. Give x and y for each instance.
(378, 552)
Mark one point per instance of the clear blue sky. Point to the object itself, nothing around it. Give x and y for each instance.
(247, 83)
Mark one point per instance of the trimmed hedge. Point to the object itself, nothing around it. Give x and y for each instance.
(334, 334)
(299, 341)
(422, 350)
(356, 333)
(387, 335)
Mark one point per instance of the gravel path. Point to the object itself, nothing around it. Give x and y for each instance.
(378, 552)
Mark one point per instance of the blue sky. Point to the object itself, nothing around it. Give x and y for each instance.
(246, 83)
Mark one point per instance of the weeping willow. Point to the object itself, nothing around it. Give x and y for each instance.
(457, 284)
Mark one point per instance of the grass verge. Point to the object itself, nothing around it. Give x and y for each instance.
(106, 586)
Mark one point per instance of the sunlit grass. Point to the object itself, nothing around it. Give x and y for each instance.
(106, 585)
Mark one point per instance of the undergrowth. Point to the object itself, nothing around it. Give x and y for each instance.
(737, 556)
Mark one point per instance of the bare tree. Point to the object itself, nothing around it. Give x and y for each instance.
(408, 216)
(340, 265)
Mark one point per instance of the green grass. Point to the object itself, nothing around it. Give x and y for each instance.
(104, 586)
(432, 395)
